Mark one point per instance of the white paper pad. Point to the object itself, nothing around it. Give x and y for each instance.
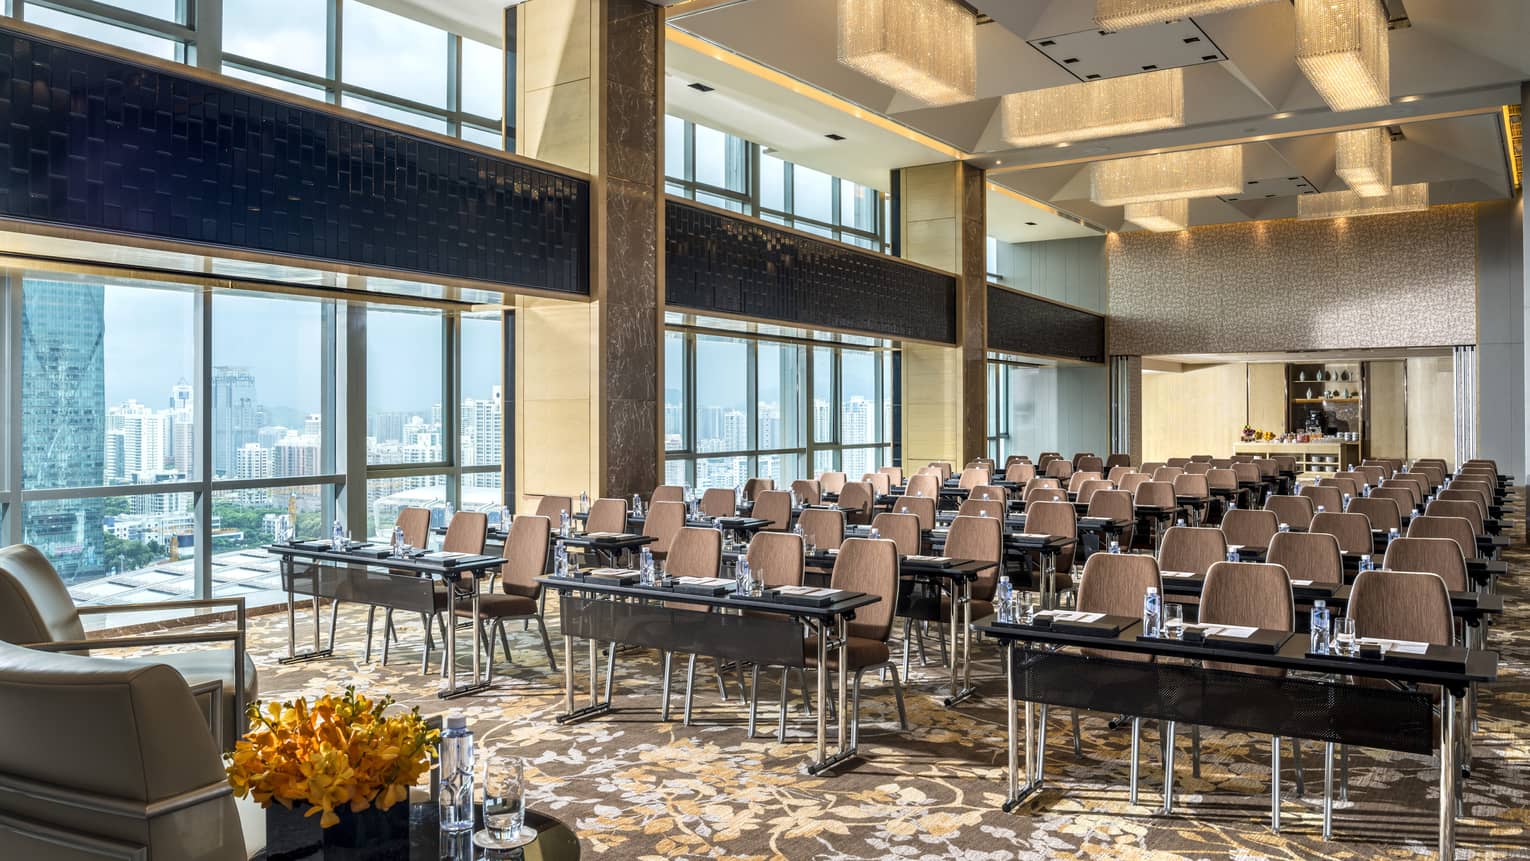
(1301, 582)
(703, 581)
(1176, 574)
(1402, 647)
(1071, 616)
(1236, 631)
(923, 558)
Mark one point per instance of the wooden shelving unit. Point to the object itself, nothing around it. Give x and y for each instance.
(1331, 394)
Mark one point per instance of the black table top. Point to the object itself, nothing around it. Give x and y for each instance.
(967, 569)
(457, 565)
(840, 608)
(1467, 605)
(609, 541)
(1454, 666)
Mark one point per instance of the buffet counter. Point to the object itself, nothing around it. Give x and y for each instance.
(1318, 456)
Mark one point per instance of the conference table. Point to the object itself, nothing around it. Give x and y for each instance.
(367, 573)
(1328, 709)
(612, 608)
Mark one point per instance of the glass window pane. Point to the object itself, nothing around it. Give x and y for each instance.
(483, 79)
(393, 54)
(105, 383)
(674, 147)
(94, 543)
(772, 182)
(859, 461)
(812, 194)
(244, 521)
(674, 391)
(675, 472)
(165, 9)
(404, 378)
(722, 471)
(817, 229)
(483, 137)
(782, 468)
(111, 34)
(398, 115)
(483, 421)
(858, 206)
(858, 400)
(274, 82)
(780, 396)
(721, 159)
(823, 395)
(293, 34)
(722, 397)
(825, 461)
(728, 203)
(676, 190)
(386, 497)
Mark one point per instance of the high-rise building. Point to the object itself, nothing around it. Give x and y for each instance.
(295, 454)
(313, 425)
(252, 461)
(145, 435)
(63, 418)
(387, 427)
(184, 445)
(236, 415)
(116, 457)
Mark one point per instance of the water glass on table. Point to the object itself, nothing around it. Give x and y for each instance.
(1344, 636)
(504, 804)
(1174, 621)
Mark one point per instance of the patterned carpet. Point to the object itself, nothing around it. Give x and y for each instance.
(634, 787)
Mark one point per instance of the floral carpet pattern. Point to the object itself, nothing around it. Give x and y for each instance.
(635, 787)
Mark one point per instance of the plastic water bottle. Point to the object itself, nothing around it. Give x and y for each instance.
(637, 505)
(1115, 546)
(448, 512)
(1391, 536)
(504, 518)
(1320, 509)
(398, 541)
(564, 527)
(742, 579)
(1365, 489)
(1232, 506)
(873, 533)
(1152, 613)
(1005, 593)
(1346, 502)
(1232, 555)
(1180, 522)
(645, 567)
(457, 769)
(1285, 527)
(1319, 627)
(337, 536)
(584, 502)
(560, 560)
(1365, 562)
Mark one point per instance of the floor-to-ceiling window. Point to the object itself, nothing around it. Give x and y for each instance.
(1037, 405)
(738, 406)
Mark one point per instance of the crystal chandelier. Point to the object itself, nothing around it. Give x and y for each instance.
(1095, 109)
(1120, 14)
(1167, 176)
(925, 48)
(1341, 46)
(1340, 204)
(1363, 159)
(1160, 216)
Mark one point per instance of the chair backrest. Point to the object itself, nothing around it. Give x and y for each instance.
(466, 533)
(1118, 459)
(1115, 504)
(1457, 529)
(923, 485)
(1116, 473)
(695, 552)
(775, 506)
(1434, 472)
(1201, 458)
(893, 473)
(718, 502)
(1440, 556)
(1469, 494)
(922, 507)
(1193, 485)
(1382, 512)
(1177, 462)
(871, 567)
(35, 606)
(831, 482)
(1245, 472)
(1054, 518)
(823, 527)
(526, 554)
(944, 467)
(1469, 510)
(1267, 467)
(1088, 489)
(1132, 480)
(1197, 468)
(668, 493)
(1222, 479)
(1077, 479)
(1042, 481)
(1045, 458)
(1191, 548)
(664, 521)
(1059, 469)
(982, 508)
(1078, 456)
(1221, 463)
(1286, 462)
(1114, 584)
(1326, 498)
(902, 529)
(1402, 605)
(137, 766)
(1314, 556)
(1466, 482)
(1167, 473)
(1044, 494)
(1250, 527)
(416, 525)
(1019, 473)
(808, 491)
(1436, 461)
(990, 492)
(1089, 463)
(1374, 475)
(607, 515)
(551, 507)
(1346, 486)
(1248, 593)
(1157, 494)
(775, 558)
(1151, 467)
(856, 499)
(973, 476)
(979, 538)
(1353, 531)
(880, 482)
(1419, 481)
(755, 486)
(1405, 496)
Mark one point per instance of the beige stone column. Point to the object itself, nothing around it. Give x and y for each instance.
(589, 86)
(944, 225)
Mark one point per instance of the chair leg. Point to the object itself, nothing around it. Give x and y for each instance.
(1275, 784)
(366, 655)
(1327, 790)
(898, 696)
(940, 631)
(610, 668)
(1344, 772)
(387, 627)
(722, 686)
(1168, 767)
(664, 707)
(504, 638)
(754, 696)
(855, 710)
(785, 687)
(334, 617)
(908, 630)
(1195, 750)
(546, 645)
(1136, 756)
(497, 626)
(690, 682)
(1078, 745)
(1296, 762)
(919, 631)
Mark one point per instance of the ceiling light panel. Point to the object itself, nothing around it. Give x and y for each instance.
(1166, 176)
(1121, 14)
(1342, 47)
(1159, 216)
(1363, 159)
(1343, 204)
(924, 48)
(1271, 186)
(1092, 55)
(1115, 106)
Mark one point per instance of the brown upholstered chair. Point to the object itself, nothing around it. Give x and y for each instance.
(1434, 472)
(467, 532)
(1406, 497)
(607, 515)
(1177, 462)
(694, 552)
(988, 492)
(1059, 469)
(1415, 487)
(856, 500)
(755, 486)
(1077, 479)
(1346, 486)
(871, 567)
(718, 502)
(416, 525)
(1088, 489)
(1196, 486)
(922, 507)
(944, 467)
(1152, 466)
(1202, 458)
(893, 473)
(823, 528)
(1221, 479)
(525, 558)
(1250, 527)
(1019, 473)
(1167, 473)
(1324, 498)
(1045, 458)
(1246, 472)
(1440, 556)
(1133, 480)
(979, 538)
(1269, 470)
(1118, 459)
(1089, 463)
(1116, 505)
(1473, 494)
(981, 508)
(1195, 467)
(1457, 529)
(807, 490)
(1155, 494)
(1115, 474)
(1383, 513)
(774, 506)
(1054, 518)
(1470, 511)
(832, 482)
(552, 507)
(1353, 531)
(901, 529)
(1043, 482)
(1043, 494)
(974, 476)
(775, 558)
(923, 485)
(1311, 556)
(1374, 475)
(1191, 548)
(667, 493)
(664, 521)
(881, 482)
(1295, 511)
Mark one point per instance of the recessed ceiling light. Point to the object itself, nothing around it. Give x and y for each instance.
(1280, 116)
(1030, 224)
(998, 161)
(1064, 145)
(700, 87)
(834, 137)
(1409, 98)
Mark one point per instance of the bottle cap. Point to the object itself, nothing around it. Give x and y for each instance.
(456, 722)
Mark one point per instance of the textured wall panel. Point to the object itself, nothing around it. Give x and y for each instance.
(1403, 280)
(1018, 323)
(714, 263)
(98, 143)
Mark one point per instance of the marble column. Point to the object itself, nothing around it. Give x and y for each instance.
(590, 97)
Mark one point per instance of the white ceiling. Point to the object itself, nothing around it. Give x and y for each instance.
(1012, 218)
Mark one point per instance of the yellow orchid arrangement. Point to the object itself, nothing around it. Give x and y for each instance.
(335, 752)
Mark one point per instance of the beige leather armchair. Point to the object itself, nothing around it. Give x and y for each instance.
(37, 611)
(108, 759)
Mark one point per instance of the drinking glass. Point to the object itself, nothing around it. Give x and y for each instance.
(1027, 610)
(1174, 621)
(504, 804)
(1344, 635)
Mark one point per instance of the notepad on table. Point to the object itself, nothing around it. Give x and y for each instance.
(1401, 647)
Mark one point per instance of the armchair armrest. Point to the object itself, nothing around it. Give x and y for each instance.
(213, 690)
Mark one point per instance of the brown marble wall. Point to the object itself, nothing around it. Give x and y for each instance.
(972, 310)
(1382, 281)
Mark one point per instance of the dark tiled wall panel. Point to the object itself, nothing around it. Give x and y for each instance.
(94, 142)
(714, 263)
(1018, 323)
